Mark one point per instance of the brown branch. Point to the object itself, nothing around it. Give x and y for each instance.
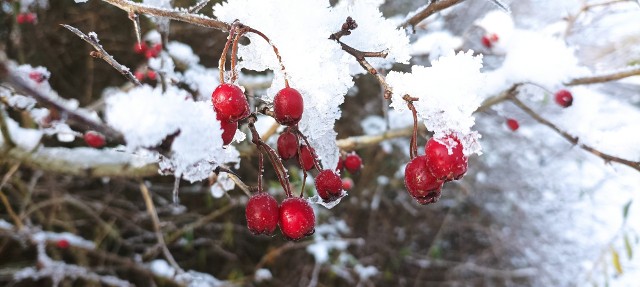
(433, 7)
(630, 72)
(197, 19)
(572, 139)
(5, 200)
(361, 58)
(101, 53)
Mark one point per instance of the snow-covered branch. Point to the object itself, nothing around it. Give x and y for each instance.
(426, 11)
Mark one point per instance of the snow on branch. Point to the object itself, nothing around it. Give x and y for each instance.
(428, 10)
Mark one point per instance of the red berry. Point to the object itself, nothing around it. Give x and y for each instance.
(139, 75)
(94, 139)
(140, 48)
(228, 131)
(328, 185)
(287, 145)
(306, 155)
(288, 106)
(347, 184)
(24, 18)
(564, 98)
(37, 77)
(340, 163)
(486, 41)
(262, 214)
(420, 184)
(151, 75)
(62, 244)
(512, 124)
(442, 164)
(230, 103)
(494, 37)
(157, 48)
(353, 163)
(296, 218)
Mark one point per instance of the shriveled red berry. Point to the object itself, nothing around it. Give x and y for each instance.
(288, 106)
(140, 48)
(37, 77)
(262, 214)
(486, 41)
(420, 183)
(328, 185)
(442, 164)
(228, 131)
(287, 145)
(564, 98)
(297, 219)
(306, 156)
(230, 103)
(347, 183)
(94, 139)
(513, 124)
(62, 244)
(353, 163)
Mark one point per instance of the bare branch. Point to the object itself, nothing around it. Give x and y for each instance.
(432, 8)
(196, 8)
(630, 72)
(100, 53)
(572, 139)
(177, 15)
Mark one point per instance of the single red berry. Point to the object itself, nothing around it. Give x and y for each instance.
(157, 48)
(139, 75)
(306, 155)
(420, 183)
(287, 145)
(340, 165)
(442, 164)
(288, 106)
(37, 77)
(296, 218)
(328, 185)
(347, 183)
(228, 131)
(512, 124)
(151, 75)
(230, 103)
(564, 98)
(140, 48)
(353, 163)
(262, 214)
(486, 41)
(494, 37)
(94, 139)
(62, 244)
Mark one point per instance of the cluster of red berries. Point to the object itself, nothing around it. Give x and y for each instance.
(140, 75)
(149, 52)
(294, 216)
(443, 161)
(488, 40)
(26, 18)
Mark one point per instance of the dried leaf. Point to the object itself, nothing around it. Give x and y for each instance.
(625, 210)
(627, 246)
(615, 258)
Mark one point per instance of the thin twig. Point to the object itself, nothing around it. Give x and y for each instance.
(432, 8)
(572, 139)
(632, 71)
(156, 227)
(197, 19)
(5, 200)
(361, 58)
(196, 8)
(101, 53)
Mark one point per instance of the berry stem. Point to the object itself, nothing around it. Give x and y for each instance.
(275, 50)
(300, 135)
(234, 54)
(281, 172)
(223, 57)
(260, 170)
(413, 150)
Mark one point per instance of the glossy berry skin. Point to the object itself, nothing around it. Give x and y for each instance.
(486, 41)
(328, 185)
(229, 103)
(62, 244)
(288, 106)
(228, 131)
(140, 48)
(564, 98)
(441, 164)
(287, 145)
(262, 214)
(512, 124)
(353, 163)
(296, 218)
(420, 184)
(306, 156)
(94, 139)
